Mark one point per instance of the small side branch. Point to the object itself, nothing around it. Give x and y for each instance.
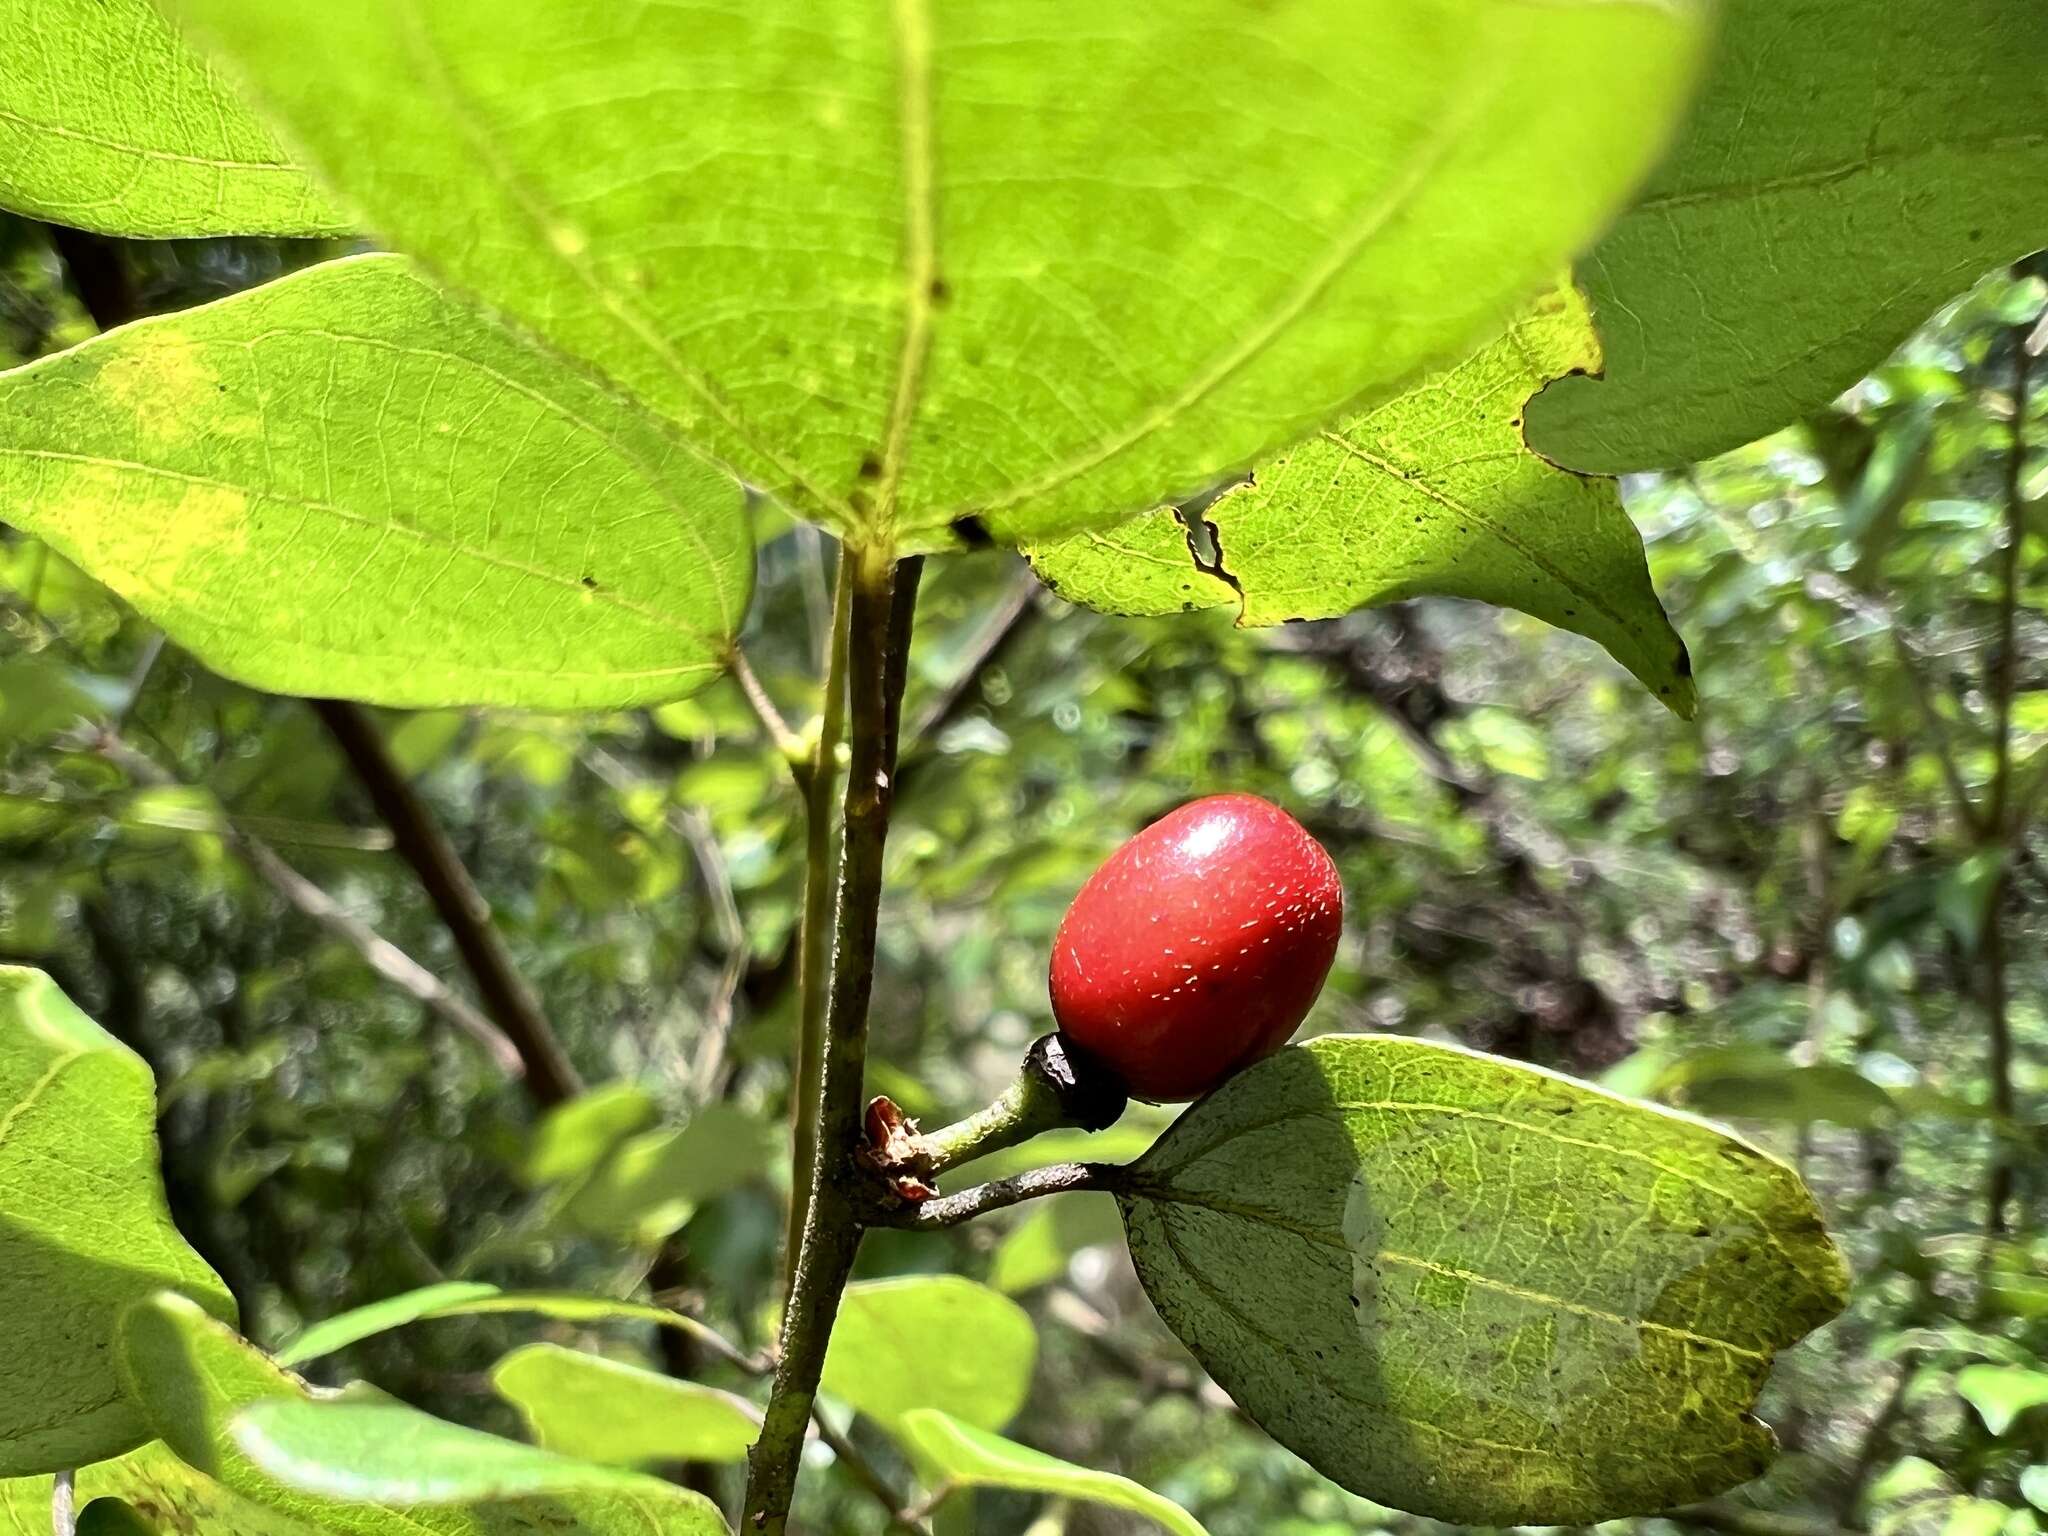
(951, 1210)
(377, 952)
(420, 841)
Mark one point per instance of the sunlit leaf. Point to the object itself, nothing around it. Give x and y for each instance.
(109, 123)
(460, 1298)
(349, 483)
(84, 1229)
(1476, 1290)
(897, 1346)
(2001, 1393)
(607, 1411)
(1430, 494)
(196, 1380)
(905, 269)
(952, 1454)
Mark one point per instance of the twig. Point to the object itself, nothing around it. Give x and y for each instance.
(379, 953)
(950, 1210)
(419, 840)
(898, 1515)
(708, 1070)
(998, 632)
(64, 1504)
(878, 633)
(1911, 656)
(785, 740)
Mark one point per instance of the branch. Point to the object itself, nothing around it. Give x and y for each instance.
(1016, 605)
(878, 640)
(950, 1210)
(382, 956)
(419, 840)
(896, 1511)
(785, 740)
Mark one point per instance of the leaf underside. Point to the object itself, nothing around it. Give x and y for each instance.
(1779, 255)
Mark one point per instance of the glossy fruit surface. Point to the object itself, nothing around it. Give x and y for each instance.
(1199, 946)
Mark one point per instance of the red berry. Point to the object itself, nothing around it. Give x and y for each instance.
(1198, 947)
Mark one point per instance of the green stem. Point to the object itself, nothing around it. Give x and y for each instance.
(883, 597)
(814, 956)
(1026, 1108)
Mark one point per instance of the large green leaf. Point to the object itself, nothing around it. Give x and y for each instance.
(83, 1228)
(951, 1454)
(897, 1345)
(184, 1499)
(2001, 1393)
(347, 482)
(109, 123)
(906, 265)
(1780, 254)
(1476, 1290)
(1431, 494)
(195, 1379)
(608, 1411)
(388, 1454)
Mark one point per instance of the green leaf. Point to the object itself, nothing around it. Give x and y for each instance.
(952, 1454)
(183, 1499)
(897, 1346)
(84, 1229)
(387, 1453)
(1039, 1248)
(196, 1380)
(1475, 1290)
(2001, 1393)
(348, 482)
(1759, 1083)
(458, 1298)
(655, 1181)
(109, 123)
(449, 1298)
(606, 1411)
(904, 269)
(1431, 494)
(1780, 255)
(573, 1138)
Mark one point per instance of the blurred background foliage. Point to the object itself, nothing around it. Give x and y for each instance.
(1817, 912)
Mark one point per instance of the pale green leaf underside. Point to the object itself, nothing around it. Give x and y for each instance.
(896, 1346)
(1477, 1290)
(903, 265)
(84, 1229)
(469, 1298)
(350, 483)
(607, 1411)
(389, 1454)
(1781, 254)
(195, 1377)
(1431, 494)
(959, 1455)
(109, 123)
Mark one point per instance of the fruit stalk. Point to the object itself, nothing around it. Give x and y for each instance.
(884, 596)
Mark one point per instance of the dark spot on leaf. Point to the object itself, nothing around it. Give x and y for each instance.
(1683, 666)
(972, 532)
(870, 467)
(940, 291)
(1976, 235)
(590, 583)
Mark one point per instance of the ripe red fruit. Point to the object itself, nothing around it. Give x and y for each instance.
(1198, 947)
